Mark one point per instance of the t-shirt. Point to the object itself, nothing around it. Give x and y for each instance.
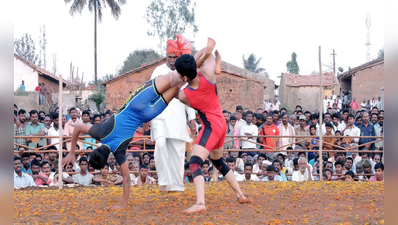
(83, 180)
(30, 129)
(269, 130)
(374, 179)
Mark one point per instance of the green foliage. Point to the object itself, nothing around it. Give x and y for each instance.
(137, 58)
(169, 18)
(381, 53)
(20, 92)
(25, 47)
(102, 79)
(99, 96)
(251, 64)
(292, 65)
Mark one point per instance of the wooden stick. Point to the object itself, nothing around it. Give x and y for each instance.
(60, 182)
(320, 115)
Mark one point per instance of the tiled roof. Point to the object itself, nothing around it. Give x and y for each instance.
(91, 87)
(238, 75)
(143, 66)
(40, 70)
(296, 80)
(361, 67)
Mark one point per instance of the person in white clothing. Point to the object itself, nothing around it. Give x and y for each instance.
(351, 129)
(250, 131)
(169, 129)
(303, 174)
(271, 176)
(54, 131)
(232, 165)
(21, 179)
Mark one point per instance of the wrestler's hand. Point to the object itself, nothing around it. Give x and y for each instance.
(69, 158)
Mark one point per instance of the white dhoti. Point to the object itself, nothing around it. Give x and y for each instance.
(169, 130)
(169, 160)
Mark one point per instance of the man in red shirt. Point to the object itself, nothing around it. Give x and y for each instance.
(201, 94)
(39, 178)
(354, 106)
(38, 87)
(268, 128)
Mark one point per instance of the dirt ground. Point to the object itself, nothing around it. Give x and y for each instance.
(273, 203)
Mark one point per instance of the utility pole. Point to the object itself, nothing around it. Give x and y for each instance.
(334, 63)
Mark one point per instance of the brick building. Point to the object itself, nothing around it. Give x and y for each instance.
(364, 81)
(303, 90)
(233, 87)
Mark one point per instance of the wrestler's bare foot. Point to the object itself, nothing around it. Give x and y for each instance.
(217, 70)
(242, 199)
(162, 188)
(206, 52)
(196, 208)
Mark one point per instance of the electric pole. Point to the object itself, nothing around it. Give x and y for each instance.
(334, 63)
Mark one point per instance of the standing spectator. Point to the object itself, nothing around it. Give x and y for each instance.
(43, 93)
(368, 106)
(239, 120)
(143, 177)
(351, 129)
(229, 132)
(86, 120)
(20, 129)
(34, 129)
(325, 103)
(249, 130)
(366, 129)
(354, 105)
(328, 138)
(363, 105)
(378, 103)
(271, 175)
(21, 179)
(285, 129)
(53, 107)
(54, 131)
(379, 170)
(302, 131)
(22, 86)
(249, 176)
(339, 103)
(267, 105)
(379, 132)
(38, 89)
(70, 126)
(373, 102)
(26, 163)
(275, 105)
(39, 178)
(303, 174)
(106, 179)
(375, 120)
(327, 119)
(83, 177)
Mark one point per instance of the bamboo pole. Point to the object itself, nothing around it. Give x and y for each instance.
(320, 117)
(60, 182)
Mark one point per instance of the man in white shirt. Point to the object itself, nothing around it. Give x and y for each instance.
(249, 176)
(328, 119)
(239, 120)
(271, 176)
(378, 103)
(267, 105)
(303, 174)
(232, 165)
(169, 129)
(21, 179)
(344, 120)
(54, 131)
(285, 129)
(351, 129)
(333, 97)
(325, 103)
(250, 130)
(83, 177)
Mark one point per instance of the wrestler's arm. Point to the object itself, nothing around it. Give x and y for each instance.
(126, 186)
(79, 128)
(183, 99)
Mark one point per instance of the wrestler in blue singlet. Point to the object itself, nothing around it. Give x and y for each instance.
(144, 104)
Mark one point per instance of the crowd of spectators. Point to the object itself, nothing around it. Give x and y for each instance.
(255, 161)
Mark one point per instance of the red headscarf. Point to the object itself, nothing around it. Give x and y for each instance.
(179, 47)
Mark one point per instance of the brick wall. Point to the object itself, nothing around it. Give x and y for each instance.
(232, 90)
(52, 86)
(368, 82)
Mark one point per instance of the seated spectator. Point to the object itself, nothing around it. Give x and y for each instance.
(278, 166)
(151, 164)
(39, 178)
(349, 176)
(304, 173)
(32, 156)
(39, 157)
(146, 158)
(232, 165)
(26, 163)
(45, 167)
(66, 178)
(328, 138)
(366, 156)
(188, 175)
(83, 177)
(271, 176)
(349, 165)
(205, 167)
(377, 158)
(143, 177)
(367, 169)
(249, 176)
(106, 179)
(21, 179)
(239, 162)
(379, 170)
(112, 163)
(338, 167)
(69, 168)
(258, 165)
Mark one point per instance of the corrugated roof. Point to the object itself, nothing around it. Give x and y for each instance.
(296, 80)
(40, 70)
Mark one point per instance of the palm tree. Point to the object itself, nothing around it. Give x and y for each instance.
(96, 5)
(251, 64)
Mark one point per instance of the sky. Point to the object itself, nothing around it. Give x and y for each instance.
(272, 31)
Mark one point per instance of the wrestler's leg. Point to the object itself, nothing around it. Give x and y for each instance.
(216, 155)
(199, 181)
(218, 63)
(202, 55)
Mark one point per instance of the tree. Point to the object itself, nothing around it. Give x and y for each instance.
(25, 47)
(99, 96)
(169, 18)
(251, 64)
(54, 69)
(381, 53)
(137, 58)
(292, 65)
(102, 79)
(96, 6)
(42, 44)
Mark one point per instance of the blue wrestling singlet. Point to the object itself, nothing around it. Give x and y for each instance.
(144, 104)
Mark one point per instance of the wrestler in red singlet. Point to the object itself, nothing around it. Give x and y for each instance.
(205, 100)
